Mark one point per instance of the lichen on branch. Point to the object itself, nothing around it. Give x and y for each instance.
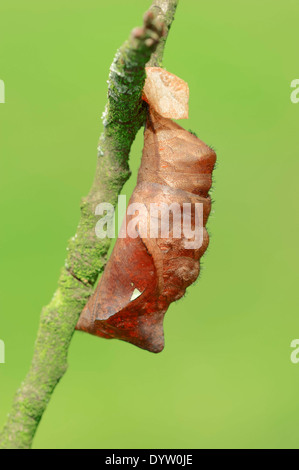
(87, 255)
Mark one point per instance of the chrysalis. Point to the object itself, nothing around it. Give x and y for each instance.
(153, 267)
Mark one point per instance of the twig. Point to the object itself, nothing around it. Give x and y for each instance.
(87, 255)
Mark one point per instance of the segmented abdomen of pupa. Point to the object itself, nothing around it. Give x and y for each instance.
(145, 274)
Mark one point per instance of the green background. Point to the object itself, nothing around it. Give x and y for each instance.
(225, 378)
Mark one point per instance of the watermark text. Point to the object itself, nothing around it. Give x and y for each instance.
(295, 353)
(2, 352)
(2, 91)
(154, 220)
(295, 93)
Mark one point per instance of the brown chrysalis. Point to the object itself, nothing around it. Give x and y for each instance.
(152, 268)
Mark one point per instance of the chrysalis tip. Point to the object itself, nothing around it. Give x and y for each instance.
(166, 93)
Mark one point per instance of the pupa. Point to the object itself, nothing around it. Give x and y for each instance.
(148, 271)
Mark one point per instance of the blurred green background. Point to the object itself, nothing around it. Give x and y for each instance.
(225, 378)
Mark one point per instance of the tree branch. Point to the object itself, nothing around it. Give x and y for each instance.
(87, 255)
(164, 11)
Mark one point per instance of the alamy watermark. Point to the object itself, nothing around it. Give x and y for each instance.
(2, 345)
(295, 93)
(154, 220)
(295, 353)
(2, 91)
(2, 352)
